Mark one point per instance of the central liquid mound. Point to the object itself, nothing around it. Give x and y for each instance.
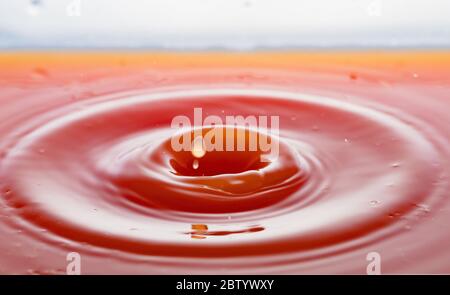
(217, 151)
(216, 178)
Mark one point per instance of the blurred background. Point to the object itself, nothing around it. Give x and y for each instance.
(220, 24)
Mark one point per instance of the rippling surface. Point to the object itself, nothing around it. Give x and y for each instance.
(87, 166)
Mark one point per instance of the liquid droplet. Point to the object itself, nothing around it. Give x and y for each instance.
(423, 208)
(40, 73)
(195, 164)
(198, 149)
(394, 215)
(353, 76)
(374, 203)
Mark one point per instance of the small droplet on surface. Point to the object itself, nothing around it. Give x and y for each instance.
(374, 203)
(40, 73)
(424, 208)
(195, 164)
(394, 215)
(353, 76)
(198, 149)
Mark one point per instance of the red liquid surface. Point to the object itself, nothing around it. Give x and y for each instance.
(86, 163)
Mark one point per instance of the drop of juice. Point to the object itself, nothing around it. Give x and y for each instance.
(374, 203)
(195, 164)
(353, 76)
(198, 149)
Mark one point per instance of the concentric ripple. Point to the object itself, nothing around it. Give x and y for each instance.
(87, 164)
(103, 173)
